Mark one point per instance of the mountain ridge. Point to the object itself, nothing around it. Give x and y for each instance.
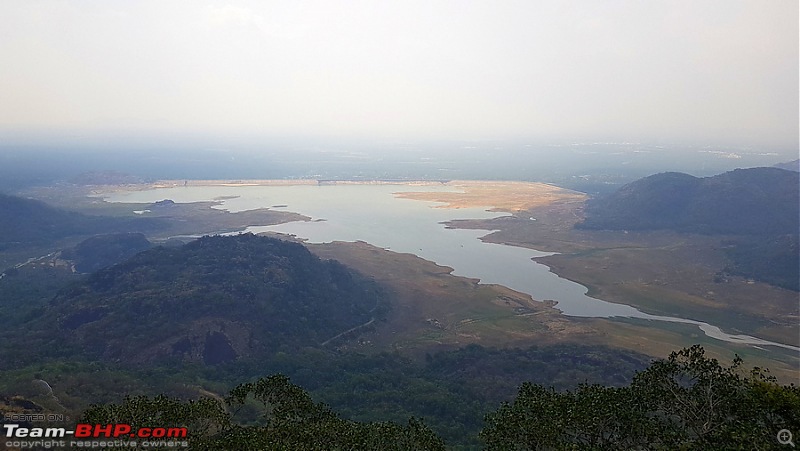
(756, 211)
(756, 201)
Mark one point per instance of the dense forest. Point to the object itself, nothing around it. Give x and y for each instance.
(214, 300)
(102, 251)
(687, 401)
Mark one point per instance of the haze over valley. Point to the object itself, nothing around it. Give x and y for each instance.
(427, 225)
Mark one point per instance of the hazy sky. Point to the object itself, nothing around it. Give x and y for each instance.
(696, 71)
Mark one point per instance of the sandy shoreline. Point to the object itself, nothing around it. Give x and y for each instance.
(499, 195)
(99, 189)
(292, 182)
(505, 196)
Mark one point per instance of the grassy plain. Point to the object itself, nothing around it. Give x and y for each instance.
(435, 310)
(659, 272)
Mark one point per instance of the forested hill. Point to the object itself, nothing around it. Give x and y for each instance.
(211, 301)
(27, 221)
(101, 251)
(758, 211)
(757, 201)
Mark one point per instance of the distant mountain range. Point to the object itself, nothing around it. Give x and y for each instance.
(757, 210)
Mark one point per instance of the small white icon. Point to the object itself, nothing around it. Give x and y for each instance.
(785, 437)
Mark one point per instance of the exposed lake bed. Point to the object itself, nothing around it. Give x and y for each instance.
(406, 218)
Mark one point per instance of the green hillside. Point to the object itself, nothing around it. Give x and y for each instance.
(213, 300)
(757, 211)
(101, 251)
(25, 222)
(757, 201)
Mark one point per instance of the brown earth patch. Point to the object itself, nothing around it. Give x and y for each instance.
(433, 308)
(499, 195)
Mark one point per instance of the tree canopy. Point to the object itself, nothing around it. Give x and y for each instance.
(290, 419)
(688, 401)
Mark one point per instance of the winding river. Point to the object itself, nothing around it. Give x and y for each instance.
(371, 213)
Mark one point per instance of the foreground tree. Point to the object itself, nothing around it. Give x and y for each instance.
(290, 420)
(687, 401)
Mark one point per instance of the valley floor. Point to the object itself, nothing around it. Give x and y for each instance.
(658, 272)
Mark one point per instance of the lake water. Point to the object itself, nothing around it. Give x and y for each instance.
(372, 213)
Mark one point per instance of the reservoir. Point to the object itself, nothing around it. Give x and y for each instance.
(373, 214)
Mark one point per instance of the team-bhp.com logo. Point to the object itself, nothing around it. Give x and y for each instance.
(83, 430)
(123, 435)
